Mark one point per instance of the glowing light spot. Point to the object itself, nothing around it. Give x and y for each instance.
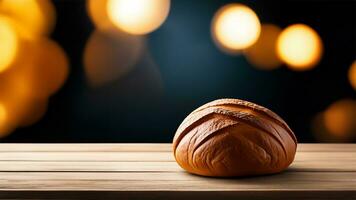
(235, 27)
(138, 16)
(107, 57)
(300, 47)
(352, 75)
(45, 70)
(262, 54)
(50, 69)
(3, 114)
(36, 16)
(98, 13)
(5, 127)
(9, 43)
(340, 118)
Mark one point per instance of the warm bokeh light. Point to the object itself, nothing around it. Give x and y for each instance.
(17, 97)
(319, 131)
(3, 114)
(352, 74)
(300, 47)
(138, 16)
(40, 72)
(262, 54)
(5, 127)
(98, 13)
(48, 68)
(340, 118)
(33, 112)
(32, 67)
(107, 57)
(37, 17)
(9, 44)
(235, 27)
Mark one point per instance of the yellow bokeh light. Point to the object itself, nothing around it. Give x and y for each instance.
(107, 57)
(340, 118)
(300, 47)
(9, 43)
(263, 53)
(352, 74)
(138, 16)
(37, 17)
(235, 27)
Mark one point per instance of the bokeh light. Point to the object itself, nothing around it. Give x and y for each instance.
(25, 87)
(32, 66)
(12, 101)
(138, 16)
(5, 127)
(45, 70)
(9, 44)
(107, 57)
(235, 27)
(340, 118)
(17, 98)
(352, 74)
(337, 123)
(3, 114)
(300, 47)
(33, 112)
(263, 53)
(97, 11)
(37, 17)
(319, 130)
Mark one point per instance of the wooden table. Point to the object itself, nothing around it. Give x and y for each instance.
(148, 171)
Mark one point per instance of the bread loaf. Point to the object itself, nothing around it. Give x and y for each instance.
(232, 137)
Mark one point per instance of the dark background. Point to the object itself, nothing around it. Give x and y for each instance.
(187, 70)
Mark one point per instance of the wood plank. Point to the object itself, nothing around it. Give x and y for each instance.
(86, 147)
(177, 181)
(52, 166)
(179, 195)
(326, 147)
(142, 147)
(86, 156)
(148, 156)
(149, 171)
(299, 164)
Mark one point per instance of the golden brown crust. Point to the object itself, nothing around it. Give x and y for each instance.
(212, 140)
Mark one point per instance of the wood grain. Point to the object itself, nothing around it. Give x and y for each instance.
(138, 147)
(149, 171)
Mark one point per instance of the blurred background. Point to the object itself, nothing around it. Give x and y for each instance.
(131, 70)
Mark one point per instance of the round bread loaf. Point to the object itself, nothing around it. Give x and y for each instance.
(232, 137)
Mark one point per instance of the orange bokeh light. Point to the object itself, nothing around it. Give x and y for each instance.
(46, 69)
(262, 54)
(98, 14)
(340, 118)
(37, 17)
(300, 47)
(5, 127)
(352, 75)
(107, 57)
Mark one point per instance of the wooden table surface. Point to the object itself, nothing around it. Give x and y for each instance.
(149, 171)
